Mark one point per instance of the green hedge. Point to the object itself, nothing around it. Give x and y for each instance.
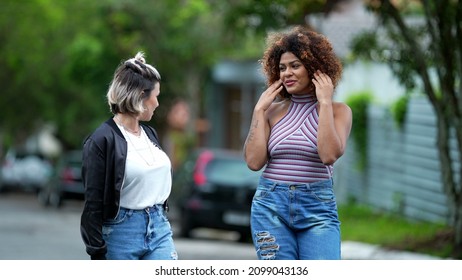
(359, 104)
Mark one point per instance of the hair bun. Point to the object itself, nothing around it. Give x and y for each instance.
(140, 57)
(139, 65)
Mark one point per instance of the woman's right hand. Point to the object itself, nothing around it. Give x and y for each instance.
(268, 96)
(255, 146)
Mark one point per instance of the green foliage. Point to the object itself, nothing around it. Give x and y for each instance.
(362, 223)
(57, 58)
(359, 104)
(261, 16)
(366, 46)
(399, 109)
(45, 81)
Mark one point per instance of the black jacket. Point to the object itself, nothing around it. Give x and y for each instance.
(103, 172)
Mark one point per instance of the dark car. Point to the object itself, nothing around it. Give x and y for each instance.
(214, 189)
(66, 182)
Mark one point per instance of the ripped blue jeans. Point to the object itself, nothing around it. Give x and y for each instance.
(295, 221)
(139, 235)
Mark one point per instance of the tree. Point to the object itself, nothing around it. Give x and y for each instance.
(261, 16)
(183, 39)
(25, 73)
(57, 58)
(425, 52)
(53, 68)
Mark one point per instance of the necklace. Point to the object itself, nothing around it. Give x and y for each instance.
(135, 132)
(147, 143)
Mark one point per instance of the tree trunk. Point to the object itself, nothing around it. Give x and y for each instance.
(448, 175)
(458, 211)
(443, 24)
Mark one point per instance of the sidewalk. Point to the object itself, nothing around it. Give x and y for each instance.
(352, 250)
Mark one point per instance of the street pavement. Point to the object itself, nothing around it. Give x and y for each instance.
(352, 250)
(27, 231)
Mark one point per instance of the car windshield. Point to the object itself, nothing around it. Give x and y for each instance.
(230, 171)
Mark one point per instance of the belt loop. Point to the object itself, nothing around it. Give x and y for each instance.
(165, 205)
(273, 185)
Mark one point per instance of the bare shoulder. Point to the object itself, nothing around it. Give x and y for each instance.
(343, 114)
(277, 110)
(341, 108)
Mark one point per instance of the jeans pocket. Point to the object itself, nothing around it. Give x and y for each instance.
(121, 217)
(324, 194)
(261, 193)
(163, 216)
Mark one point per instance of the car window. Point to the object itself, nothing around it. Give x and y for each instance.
(230, 171)
(75, 163)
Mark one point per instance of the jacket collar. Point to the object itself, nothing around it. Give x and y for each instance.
(114, 126)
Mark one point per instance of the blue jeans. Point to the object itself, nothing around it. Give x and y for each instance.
(139, 235)
(295, 221)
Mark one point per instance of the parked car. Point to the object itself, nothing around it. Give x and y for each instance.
(66, 182)
(22, 170)
(214, 189)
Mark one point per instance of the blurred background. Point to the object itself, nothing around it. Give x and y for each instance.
(402, 78)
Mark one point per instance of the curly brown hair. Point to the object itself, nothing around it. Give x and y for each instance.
(313, 49)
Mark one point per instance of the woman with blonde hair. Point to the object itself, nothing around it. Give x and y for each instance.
(126, 175)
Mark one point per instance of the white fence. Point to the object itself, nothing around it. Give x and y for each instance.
(403, 172)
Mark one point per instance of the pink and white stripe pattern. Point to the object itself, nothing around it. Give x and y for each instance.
(292, 145)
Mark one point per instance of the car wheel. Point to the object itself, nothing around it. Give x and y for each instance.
(2, 185)
(43, 197)
(55, 199)
(244, 237)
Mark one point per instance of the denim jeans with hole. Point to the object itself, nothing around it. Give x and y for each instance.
(295, 221)
(139, 235)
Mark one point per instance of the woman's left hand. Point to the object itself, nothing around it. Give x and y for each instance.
(324, 87)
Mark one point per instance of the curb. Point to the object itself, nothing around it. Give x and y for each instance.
(352, 250)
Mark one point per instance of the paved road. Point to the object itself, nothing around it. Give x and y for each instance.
(29, 231)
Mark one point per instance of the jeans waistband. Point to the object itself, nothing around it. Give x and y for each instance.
(148, 209)
(271, 183)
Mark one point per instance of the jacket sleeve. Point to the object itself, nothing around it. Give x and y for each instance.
(93, 176)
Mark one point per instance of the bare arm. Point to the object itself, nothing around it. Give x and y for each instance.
(256, 144)
(335, 121)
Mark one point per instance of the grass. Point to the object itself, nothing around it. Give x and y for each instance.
(361, 223)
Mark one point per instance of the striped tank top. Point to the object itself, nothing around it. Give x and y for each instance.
(292, 145)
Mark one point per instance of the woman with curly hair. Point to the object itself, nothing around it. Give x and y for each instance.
(297, 134)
